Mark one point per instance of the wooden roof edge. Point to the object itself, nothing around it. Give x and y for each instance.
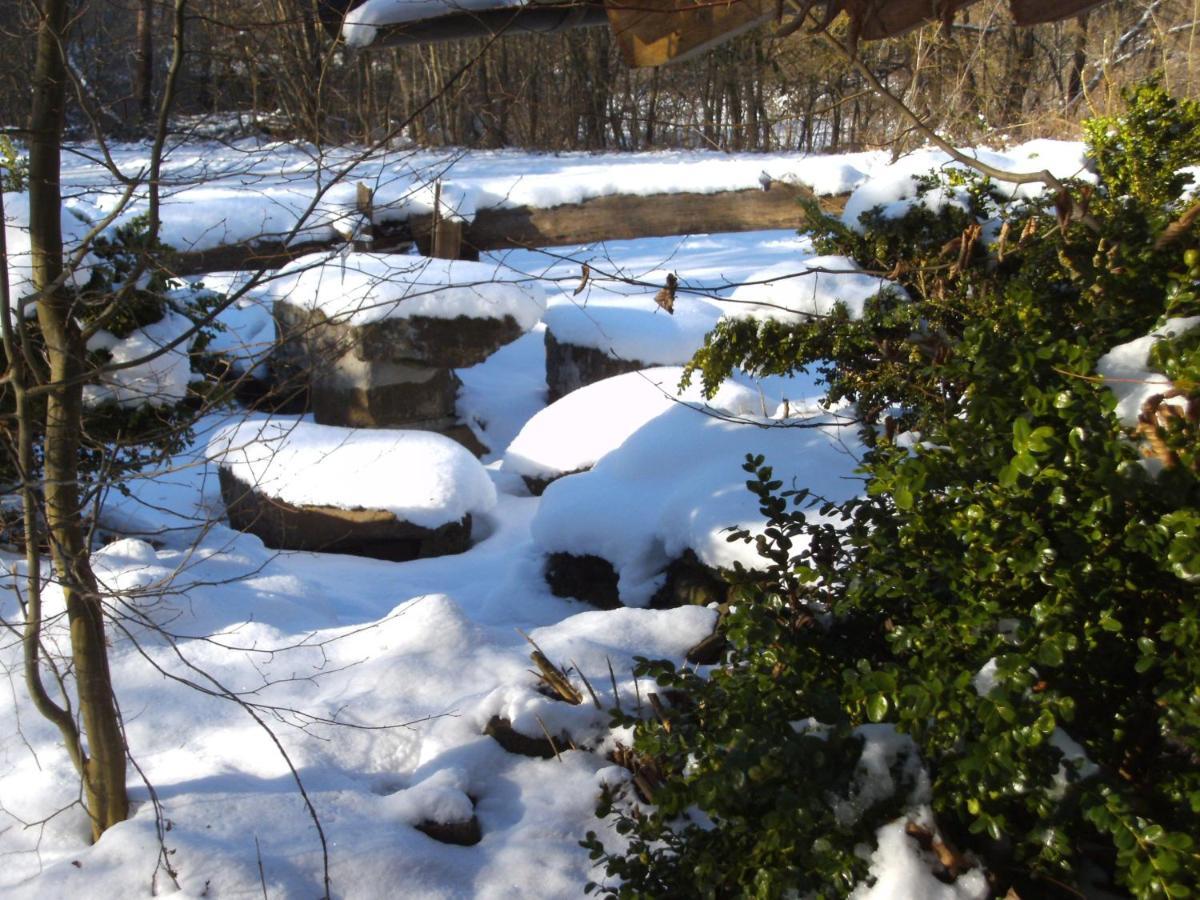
(654, 32)
(533, 18)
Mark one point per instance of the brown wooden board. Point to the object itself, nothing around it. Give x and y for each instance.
(623, 216)
(654, 32)
(535, 18)
(888, 18)
(1035, 12)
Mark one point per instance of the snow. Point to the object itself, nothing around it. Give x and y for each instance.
(573, 433)
(894, 187)
(360, 288)
(903, 872)
(676, 484)
(162, 380)
(633, 327)
(78, 217)
(245, 190)
(245, 333)
(376, 678)
(1126, 369)
(419, 476)
(792, 292)
(241, 191)
(499, 395)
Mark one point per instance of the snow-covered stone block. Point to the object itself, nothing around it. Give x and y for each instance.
(387, 494)
(611, 335)
(359, 394)
(377, 335)
(464, 309)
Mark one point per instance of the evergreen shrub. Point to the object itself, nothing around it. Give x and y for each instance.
(1015, 591)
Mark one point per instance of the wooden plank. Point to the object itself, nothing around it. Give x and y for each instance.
(535, 18)
(879, 21)
(1035, 12)
(447, 239)
(267, 254)
(623, 217)
(654, 32)
(612, 218)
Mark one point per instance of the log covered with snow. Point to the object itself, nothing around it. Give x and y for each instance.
(604, 218)
(387, 494)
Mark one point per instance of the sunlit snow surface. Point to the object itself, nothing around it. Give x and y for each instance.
(360, 288)
(377, 678)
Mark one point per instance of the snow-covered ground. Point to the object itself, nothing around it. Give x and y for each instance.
(243, 671)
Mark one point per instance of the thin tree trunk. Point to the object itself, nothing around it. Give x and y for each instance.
(104, 765)
(143, 61)
(1078, 61)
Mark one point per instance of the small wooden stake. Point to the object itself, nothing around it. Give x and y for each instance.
(554, 677)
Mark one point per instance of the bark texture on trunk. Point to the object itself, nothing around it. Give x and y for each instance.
(103, 760)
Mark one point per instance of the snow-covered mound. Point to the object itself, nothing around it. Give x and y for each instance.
(421, 477)
(246, 336)
(677, 484)
(78, 216)
(894, 187)
(633, 327)
(792, 292)
(161, 380)
(1126, 369)
(360, 288)
(573, 433)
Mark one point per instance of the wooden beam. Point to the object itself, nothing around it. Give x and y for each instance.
(655, 32)
(611, 218)
(624, 217)
(879, 21)
(1035, 12)
(542, 18)
(261, 254)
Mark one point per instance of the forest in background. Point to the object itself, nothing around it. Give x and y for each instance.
(269, 68)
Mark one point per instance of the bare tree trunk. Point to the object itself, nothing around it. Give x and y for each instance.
(143, 61)
(652, 110)
(103, 765)
(1021, 71)
(1078, 61)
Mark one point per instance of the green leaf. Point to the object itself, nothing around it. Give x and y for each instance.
(877, 707)
(1025, 464)
(1039, 437)
(1020, 438)
(1050, 654)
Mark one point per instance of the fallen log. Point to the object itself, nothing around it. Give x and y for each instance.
(625, 216)
(611, 218)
